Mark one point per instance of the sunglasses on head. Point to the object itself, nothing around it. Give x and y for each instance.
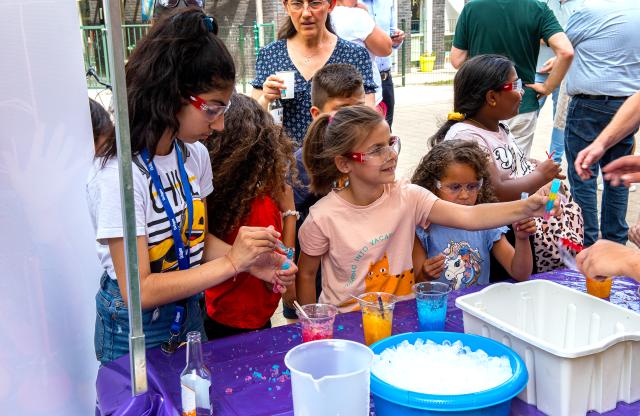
(170, 4)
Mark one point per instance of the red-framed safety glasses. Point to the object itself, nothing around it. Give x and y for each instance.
(513, 86)
(212, 112)
(378, 155)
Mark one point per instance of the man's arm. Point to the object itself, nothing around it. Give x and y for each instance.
(626, 120)
(458, 56)
(563, 50)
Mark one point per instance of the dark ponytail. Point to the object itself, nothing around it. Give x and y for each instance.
(476, 77)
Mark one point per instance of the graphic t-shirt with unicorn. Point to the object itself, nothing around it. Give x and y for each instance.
(366, 248)
(466, 253)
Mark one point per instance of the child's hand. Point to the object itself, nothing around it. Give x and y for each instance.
(536, 203)
(269, 267)
(525, 228)
(433, 267)
(549, 170)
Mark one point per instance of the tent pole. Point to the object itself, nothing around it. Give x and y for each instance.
(115, 45)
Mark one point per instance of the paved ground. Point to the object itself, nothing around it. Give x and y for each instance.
(419, 112)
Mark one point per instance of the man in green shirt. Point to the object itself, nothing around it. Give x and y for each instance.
(514, 28)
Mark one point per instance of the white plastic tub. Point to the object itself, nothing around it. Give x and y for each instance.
(582, 353)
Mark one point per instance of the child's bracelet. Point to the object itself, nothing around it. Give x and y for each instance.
(290, 213)
(235, 269)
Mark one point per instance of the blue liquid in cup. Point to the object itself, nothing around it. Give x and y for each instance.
(432, 313)
(431, 302)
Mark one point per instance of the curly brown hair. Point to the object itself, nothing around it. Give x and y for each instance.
(434, 164)
(251, 157)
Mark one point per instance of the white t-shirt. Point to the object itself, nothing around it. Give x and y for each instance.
(507, 156)
(103, 196)
(355, 25)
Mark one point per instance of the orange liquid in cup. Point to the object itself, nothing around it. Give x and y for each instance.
(375, 326)
(599, 286)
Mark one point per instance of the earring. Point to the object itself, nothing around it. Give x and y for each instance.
(492, 103)
(340, 184)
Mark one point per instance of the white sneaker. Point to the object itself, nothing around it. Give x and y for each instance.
(632, 188)
(600, 187)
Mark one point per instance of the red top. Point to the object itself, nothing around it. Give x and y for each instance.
(247, 302)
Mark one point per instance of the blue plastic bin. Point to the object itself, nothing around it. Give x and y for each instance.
(392, 401)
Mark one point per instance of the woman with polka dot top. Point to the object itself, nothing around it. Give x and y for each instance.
(306, 42)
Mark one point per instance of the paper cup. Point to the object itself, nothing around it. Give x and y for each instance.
(289, 78)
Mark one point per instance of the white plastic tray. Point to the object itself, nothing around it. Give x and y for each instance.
(582, 353)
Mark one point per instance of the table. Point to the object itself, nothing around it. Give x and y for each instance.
(248, 371)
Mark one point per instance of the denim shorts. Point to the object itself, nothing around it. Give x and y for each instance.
(111, 338)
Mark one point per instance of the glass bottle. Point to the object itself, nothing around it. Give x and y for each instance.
(276, 111)
(195, 380)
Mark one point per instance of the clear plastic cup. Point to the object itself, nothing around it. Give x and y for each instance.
(319, 321)
(431, 301)
(377, 315)
(599, 286)
(289, 79)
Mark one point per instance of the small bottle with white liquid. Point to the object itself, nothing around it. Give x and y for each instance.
(195, 380)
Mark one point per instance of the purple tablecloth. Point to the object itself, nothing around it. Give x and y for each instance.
(249, 375)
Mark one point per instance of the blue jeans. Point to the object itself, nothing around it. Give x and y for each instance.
(557, 135)
(111, 338)
(585, 120)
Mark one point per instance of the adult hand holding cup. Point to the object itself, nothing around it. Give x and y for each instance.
(272, 86)
(289, 80)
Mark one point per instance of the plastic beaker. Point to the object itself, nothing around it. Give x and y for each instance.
(599, 286)
(330, 377)
(431, 301)
(319, 321)
(377, 315)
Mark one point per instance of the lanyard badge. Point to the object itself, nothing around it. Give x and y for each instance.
(182, 252)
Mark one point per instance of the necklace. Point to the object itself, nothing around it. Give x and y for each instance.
(306, 59)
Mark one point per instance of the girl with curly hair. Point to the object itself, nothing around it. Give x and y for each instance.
(457, 171)
(251, 160)
(179, 81)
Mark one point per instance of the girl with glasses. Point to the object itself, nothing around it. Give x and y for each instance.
(457, 171)
(486, 90)
(362, 231)
(178, 59)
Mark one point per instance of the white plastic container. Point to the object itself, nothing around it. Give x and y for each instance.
(582, 353)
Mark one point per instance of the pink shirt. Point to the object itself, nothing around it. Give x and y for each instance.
(366, 248)
(507, 156)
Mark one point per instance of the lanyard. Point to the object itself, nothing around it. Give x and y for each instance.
(182, 253)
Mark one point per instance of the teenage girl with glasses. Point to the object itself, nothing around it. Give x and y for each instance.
(179, 82)
(486, 90)
(363, 230)
(457, 171)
